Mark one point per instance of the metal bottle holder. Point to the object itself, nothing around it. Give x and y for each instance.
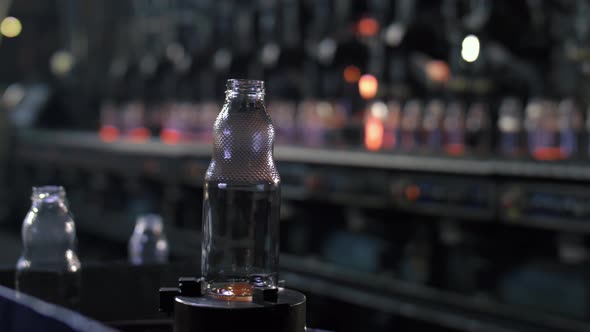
(271, 309)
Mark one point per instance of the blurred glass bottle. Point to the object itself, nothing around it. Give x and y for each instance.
(432, 125)
(133, 121)
(454, 129)
(241, 197)
(109, 122)
(49, 267)
(310, 123)
(374, 129)
(148, 243)
(543, 130)
(533, 112)
(283, 114)
(382, 123)
(411, 120)
(510, 127)
(391, 125)
(570, 127)
(478, 131)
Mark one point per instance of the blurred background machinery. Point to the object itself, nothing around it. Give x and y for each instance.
(434, 154)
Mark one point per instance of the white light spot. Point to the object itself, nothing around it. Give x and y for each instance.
(470, 48)
(257, 142)
(394, 34)
(13, 95)
(379, 110)
(61, 62)
(327, 50)
(222, 59)
(270, 54)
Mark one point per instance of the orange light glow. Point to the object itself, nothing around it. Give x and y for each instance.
(438, 71)
(373, 133)
(170, 136)
(108, 133)
(412, 192)
(368, 86)
(368, 27)
(352, 74)
(455, 149)
(139, 135)
(548, 153)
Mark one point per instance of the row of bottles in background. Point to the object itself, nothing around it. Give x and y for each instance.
(173, 122)
(49, 267)
(323, 52)
(312, 123)
(543, 129)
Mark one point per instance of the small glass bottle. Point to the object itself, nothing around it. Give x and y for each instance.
(432, 122)
(148, 243)
(510, 127)
(411, 120)
(543, 130)
(478, 132)
(454, 129)
(570, 127)
(49, 267)
(391, 125)
(241, 198)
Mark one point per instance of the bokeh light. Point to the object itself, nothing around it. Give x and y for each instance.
(352, 74)
(368, 86)
(470, 48)
(368, 27)
(438, 71)
(11, 27)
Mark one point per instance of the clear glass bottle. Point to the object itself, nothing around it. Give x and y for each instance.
(454, 129)
(510, 124)
(411, 121)
(432, 122)
(478, 132)
(241, 197)
(49, 267)
(148, 243)
(570, 127)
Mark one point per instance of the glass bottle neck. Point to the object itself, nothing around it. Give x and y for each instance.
(245, 89)
(48, 195)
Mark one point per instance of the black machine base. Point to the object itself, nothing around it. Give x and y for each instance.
(271, 310)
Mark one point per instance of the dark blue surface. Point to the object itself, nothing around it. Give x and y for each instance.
(25, 313)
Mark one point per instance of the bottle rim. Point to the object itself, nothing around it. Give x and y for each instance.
(47, 191)
(245, 86)
(149, 222)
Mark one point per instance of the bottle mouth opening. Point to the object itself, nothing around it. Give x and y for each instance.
(245, 86)
(149, 222)
(43, 192)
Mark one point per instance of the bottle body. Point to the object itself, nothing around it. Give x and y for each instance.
(242, 250)
(49, 267)
(241, 198)
(148, 243)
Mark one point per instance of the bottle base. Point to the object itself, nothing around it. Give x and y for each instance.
(231, 291)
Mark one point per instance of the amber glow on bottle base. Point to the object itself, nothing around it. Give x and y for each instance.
(237, 291)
